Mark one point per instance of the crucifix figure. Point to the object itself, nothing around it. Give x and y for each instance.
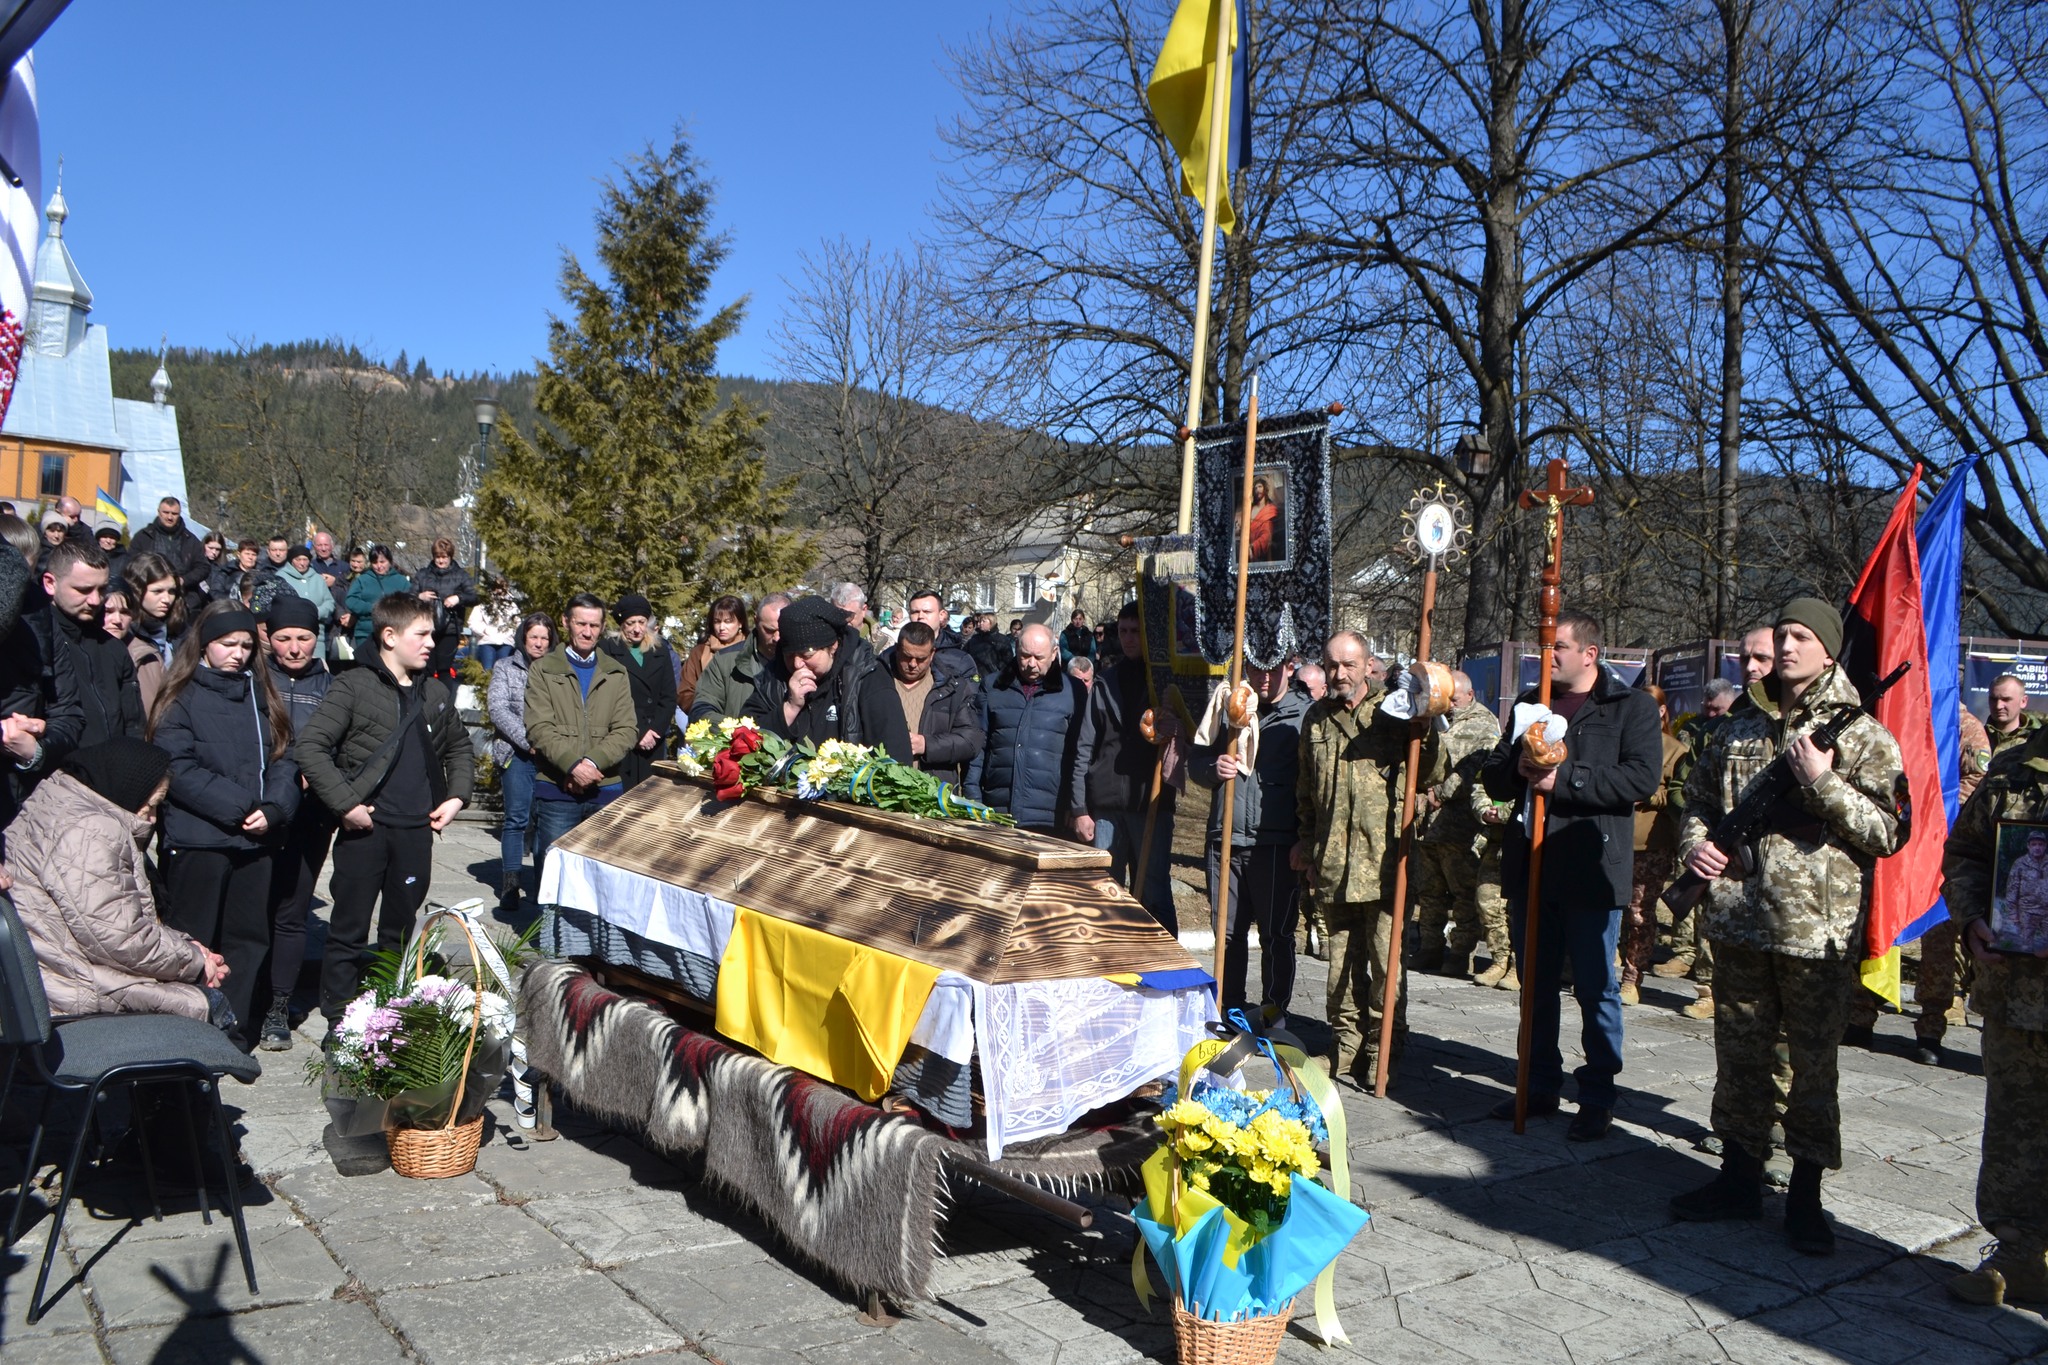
(1552, 498)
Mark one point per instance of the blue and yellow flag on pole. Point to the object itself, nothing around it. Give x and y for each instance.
(1184, 80)
(111, 510)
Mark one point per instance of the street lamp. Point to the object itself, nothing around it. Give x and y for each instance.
(472, 478)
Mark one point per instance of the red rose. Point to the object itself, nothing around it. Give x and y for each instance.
(732, 793)
(744, 742)
(725, 772)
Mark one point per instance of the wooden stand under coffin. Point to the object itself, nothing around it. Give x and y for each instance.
(1021, 1073)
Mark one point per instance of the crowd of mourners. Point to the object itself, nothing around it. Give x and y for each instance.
(194, 730)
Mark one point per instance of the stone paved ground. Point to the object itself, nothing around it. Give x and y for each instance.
(1482, 1245)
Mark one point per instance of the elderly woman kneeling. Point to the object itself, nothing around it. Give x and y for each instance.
(82, 885)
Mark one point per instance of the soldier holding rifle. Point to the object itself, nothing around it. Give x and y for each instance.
(1786, 949)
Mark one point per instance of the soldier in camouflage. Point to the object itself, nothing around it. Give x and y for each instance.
(1493, 817)
(1347, 805)
(1786, 947)
(1447, 850)
(2012, 995)
(2008, 721)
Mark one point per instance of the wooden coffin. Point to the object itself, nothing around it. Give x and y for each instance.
(996, 905)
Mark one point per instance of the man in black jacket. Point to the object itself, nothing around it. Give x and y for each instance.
(387, 754)
(41, 715)
(1614, 758)
(1264, 825)
(1113, 768)
(170, 537)
(941, 708)
(927, 606)
(652, 669)
(75, 577)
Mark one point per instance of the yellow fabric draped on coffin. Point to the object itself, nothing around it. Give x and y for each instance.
(835, 1009)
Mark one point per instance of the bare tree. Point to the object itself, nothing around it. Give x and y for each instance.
(894, 447)
(1914, 279)
(1490, 156)
(1064, 219)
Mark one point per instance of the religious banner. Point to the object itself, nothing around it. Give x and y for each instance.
(1287, 596)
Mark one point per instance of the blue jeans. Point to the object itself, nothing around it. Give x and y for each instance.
(515, 784)
(553, 819)
(1121, 833)
(488, 655)
(1589, 938)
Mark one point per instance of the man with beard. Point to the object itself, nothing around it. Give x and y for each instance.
(75, 577)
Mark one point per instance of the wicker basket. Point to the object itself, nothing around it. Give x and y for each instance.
(437, 1153)
(1247, 1341)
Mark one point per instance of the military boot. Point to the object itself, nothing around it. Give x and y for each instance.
(2012, 1272)
(1702, 1008)
(1806, 1224)
(1673, 968)
(1737, 1192)
(1500, 967)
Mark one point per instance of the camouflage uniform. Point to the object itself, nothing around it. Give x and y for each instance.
(1492, 817)
(1447, 855)
(2001, 740)
(1787, 939)
(1656, 848)
(1934, 978)
(1348, 803)
(2012, 995)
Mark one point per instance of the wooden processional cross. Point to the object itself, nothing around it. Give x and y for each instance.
(1552, 499)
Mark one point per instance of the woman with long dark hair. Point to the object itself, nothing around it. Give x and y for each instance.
(234, 788)
(156, 611)
(725, 627)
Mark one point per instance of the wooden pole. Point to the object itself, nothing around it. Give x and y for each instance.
(1244, 566)
(1385, 1064)
(1205, 272)
(1554, 498)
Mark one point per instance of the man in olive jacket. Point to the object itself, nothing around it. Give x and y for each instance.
(388, 754)
(581, 724)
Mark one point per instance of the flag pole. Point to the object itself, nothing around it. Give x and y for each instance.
(1197, 368)
(1244, 565)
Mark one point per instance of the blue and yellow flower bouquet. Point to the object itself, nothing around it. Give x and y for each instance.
(1234, 1213)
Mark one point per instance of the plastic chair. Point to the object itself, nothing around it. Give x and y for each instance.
(89, 1054)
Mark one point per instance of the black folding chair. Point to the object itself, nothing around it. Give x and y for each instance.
(90, 1054)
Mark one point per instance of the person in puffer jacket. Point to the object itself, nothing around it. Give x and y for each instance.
(234, 790)
(87, 895)
(1035, 714)
(452, 592)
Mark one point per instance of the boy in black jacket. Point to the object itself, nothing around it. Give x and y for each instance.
(386, 753)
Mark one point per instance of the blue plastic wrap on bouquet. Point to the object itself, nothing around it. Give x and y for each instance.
(1263, 1279)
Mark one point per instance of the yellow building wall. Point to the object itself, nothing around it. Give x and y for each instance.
(86, 471)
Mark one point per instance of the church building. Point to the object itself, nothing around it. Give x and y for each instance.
(65, 432)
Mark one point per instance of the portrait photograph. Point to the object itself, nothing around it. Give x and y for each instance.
(2019, 899)
(1269, 547)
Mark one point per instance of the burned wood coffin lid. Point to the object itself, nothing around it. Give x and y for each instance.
(994, 904)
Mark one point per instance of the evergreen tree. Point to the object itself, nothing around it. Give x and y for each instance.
(398, 367)
(633, 477)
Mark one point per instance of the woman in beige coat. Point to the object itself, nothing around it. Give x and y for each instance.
(82, 887)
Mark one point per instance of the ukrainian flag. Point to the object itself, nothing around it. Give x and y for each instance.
(1183, 81)
(110, 509)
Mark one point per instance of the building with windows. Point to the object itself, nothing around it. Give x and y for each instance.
(66, 434)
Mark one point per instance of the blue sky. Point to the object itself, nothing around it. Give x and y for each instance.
(406, 175)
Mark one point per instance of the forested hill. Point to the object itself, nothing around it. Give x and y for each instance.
(246, 419)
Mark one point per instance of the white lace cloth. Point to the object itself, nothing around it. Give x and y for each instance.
(1053, 1050)
(1050, 1050)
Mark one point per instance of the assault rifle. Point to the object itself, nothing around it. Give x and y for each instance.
(1740, 828)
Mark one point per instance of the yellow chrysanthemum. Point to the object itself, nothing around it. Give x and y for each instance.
(1185, 1114)
(699, 731)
